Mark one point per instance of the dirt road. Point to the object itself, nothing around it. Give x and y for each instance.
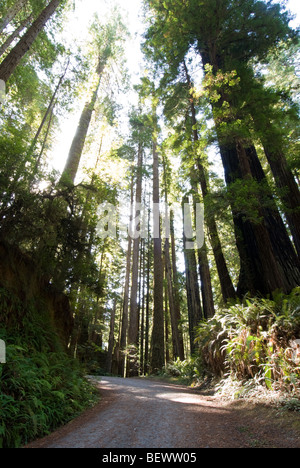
(140, 413)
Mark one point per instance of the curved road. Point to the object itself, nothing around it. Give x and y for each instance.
(141, 413)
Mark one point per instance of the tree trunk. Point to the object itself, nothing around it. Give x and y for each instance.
(133, 331)
(206, 286)
(288, 189)
(267, 264)
(174, 305)
(273, 144)
(176, 289)
(170, 290)
(39, 158)
(14, 35)
(124, 325)
(166, 315)
(192, 288)
(11, 13)
(158, 340)
(227, 288)
(147, 325)
(284, 252)
(143, 300)
(268, 260)
(71, 168)
(13, 59)
(111, 340)
(48, 111)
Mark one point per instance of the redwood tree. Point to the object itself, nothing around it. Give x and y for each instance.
(227, 35)
(12, 60)
(158, 336)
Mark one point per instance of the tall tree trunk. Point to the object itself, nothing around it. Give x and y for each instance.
(158, 339)
(170, 289)
(166, 315)
(288, 189)
(143, 284)
(11, 13)
(288, 192)
(284, 252)
(9, 64)
(111, 340)
(176, 288)
(124, 325)
(268, 260)
(147, 325)
(204, 270)
(71, 168)
(133, 331)
(227, 288)
(15, 34)
(50, 106)
(195, 312)
(170, 292)
(265, 264)
(39, 158)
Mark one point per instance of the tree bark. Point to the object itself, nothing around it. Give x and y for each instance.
(268, 260)
(14, 35)
(143, 300)
(10, 63)
(71, 168)
(195, 312)
(174, 304)
(48, 111)
(288, 189)
(267, 264)
(227, 288)
(206, 286)
(176, 338)
(133, 331)
(124, 325)
(176, 288)
(111, 340)
(147, 324)
(11, 13)
(158, 339)
(288, 192)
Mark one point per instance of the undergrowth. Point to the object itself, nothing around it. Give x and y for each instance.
(249, 348)
(41, 387)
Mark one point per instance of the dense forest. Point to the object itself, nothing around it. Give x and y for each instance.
(166, 238)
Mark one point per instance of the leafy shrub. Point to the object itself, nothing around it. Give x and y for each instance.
(39, 392)
(41, 387)
(187, 371)
(251, 340)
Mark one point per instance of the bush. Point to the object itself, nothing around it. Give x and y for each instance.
(41, 387)
(252, 340)
(39, 392)
(188, 371)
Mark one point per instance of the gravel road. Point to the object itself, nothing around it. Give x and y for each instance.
(141, 413)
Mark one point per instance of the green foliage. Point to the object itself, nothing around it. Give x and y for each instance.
(39, 392)
(188, 371)
(41, 387)
(252, 341)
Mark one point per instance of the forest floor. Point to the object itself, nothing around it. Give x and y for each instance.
(145, 413)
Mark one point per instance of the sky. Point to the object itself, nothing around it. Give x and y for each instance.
(131, 11)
